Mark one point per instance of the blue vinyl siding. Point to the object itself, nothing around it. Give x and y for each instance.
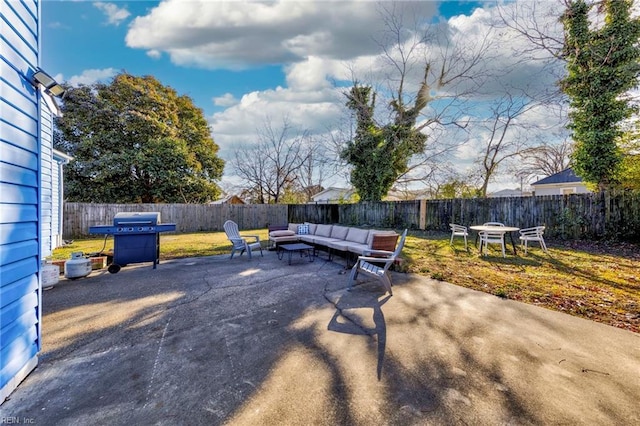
(15, 232)
(20, 157)
(10, 173)
(20, 195)
(15, 193)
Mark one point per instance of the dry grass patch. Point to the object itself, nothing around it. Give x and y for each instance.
(600, 282)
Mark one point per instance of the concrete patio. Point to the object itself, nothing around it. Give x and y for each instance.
(216, 341)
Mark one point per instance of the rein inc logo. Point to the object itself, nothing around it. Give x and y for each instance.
(17, 420)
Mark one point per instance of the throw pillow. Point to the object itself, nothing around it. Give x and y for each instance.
(303, 230)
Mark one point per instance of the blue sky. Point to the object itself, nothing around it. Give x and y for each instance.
(243, 63)
(77, 36)
(80, 36)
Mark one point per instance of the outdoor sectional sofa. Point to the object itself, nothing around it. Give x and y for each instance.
(333, 237)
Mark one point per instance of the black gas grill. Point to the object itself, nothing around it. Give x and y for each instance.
(136, 238)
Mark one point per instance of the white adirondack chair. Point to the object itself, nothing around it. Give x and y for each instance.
(376, 264)
(239, 242)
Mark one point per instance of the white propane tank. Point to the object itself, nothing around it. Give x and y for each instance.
(77, 267)
(50, 275)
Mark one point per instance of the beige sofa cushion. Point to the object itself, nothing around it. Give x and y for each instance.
(357, 235)
(340, 245)
(323, 230)
(339, 232)
(358, 248)
(312, 227)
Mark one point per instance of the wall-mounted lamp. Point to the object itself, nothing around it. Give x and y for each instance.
(52, 86)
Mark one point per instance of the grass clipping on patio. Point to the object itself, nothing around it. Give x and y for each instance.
(598, 281)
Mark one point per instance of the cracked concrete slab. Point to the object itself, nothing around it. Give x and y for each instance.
(214, 341)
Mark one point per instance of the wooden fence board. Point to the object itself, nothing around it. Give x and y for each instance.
(614, 215)
(78, 217)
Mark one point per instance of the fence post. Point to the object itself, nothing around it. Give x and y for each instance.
(423, 214)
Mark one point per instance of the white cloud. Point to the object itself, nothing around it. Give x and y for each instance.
(238, 35)
(92, 76)
(312, 111)
(115, 15)
(225, 100)
(309, 75)
(154, 54)
(318, 43)
(58, 25)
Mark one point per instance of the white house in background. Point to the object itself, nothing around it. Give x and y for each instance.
(333, 195)
(508, 193)
(562, 183)
(407, 195)
(57, 202)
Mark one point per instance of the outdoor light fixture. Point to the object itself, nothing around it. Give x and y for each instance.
(52, 86)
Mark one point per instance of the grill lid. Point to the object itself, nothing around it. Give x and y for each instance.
(136, 218)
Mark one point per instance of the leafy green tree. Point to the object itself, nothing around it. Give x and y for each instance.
(379, 154)
(630, 168)
(136, 141)
(458, 188)
(603, 65)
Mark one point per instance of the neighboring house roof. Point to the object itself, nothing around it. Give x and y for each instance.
(565, 176)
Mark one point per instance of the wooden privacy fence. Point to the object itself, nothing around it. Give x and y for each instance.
(78, 217)
(614, 216)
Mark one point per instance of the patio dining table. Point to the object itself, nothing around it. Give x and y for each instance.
(497, 228)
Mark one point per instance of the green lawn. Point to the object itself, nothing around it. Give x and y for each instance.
(592, 280)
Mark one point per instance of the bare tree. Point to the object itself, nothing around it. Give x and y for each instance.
(546, 159)
(317, 168)
(428, 62)
(506, 134)
(274, 164)
(539, 23)
(426, 79)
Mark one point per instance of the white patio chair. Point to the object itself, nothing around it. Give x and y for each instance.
(491, 237)
(459, 231)
(239, 242)
(377, 264)
(533, 234)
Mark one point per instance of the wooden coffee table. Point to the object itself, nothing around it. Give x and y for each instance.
(298, 247)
